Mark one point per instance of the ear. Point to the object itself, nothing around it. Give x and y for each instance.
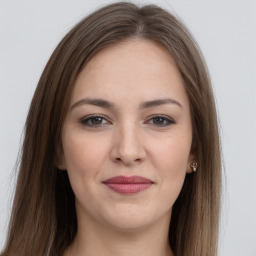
(191, 159)
(61, 164)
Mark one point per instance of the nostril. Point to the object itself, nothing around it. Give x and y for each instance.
(118, 159)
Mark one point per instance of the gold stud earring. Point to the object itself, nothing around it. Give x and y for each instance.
(194, 166)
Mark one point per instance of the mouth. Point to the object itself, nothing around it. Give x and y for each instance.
(128, 185)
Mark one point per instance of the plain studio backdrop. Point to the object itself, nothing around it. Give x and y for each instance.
(226, 33)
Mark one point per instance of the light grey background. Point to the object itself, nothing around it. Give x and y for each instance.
(226, 32)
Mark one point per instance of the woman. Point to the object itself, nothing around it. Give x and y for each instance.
(121, 152)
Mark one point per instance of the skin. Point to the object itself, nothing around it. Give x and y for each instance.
(127, 140)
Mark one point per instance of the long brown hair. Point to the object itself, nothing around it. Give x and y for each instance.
(43, 219)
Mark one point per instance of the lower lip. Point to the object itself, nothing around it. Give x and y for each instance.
(128, 188)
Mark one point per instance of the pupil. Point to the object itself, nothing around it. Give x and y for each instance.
(158, 120)
(97, 120)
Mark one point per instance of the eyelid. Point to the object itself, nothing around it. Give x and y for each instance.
(167, 118)
(86, 118)
(83, 120)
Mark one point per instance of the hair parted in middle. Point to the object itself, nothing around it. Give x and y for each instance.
(45, 223)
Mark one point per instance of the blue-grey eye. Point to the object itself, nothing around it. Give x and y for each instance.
(93, 121)
(161, 121)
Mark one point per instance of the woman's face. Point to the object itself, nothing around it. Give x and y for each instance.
(129, 116)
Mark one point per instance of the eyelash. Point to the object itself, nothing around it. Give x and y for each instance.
(168, 121)
(84, 121)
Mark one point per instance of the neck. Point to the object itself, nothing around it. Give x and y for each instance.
(93, 239)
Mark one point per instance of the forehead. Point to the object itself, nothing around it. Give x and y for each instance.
(127, 56)
(141, 48)
(135, 67)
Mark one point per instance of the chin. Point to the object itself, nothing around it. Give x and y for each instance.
(129, 220)
(129, 226)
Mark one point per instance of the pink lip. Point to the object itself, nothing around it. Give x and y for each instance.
(128, 185)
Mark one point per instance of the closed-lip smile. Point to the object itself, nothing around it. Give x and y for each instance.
(128, 184)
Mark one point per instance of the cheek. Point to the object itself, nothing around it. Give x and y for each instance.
(172, 153)
(84, 157)
(170, 160)
(82, 151)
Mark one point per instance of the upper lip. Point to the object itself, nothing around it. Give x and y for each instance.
(128, 180)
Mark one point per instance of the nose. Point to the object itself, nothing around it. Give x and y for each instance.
(128, 147)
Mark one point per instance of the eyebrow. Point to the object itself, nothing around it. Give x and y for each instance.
(158, 102)
(109, 105)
